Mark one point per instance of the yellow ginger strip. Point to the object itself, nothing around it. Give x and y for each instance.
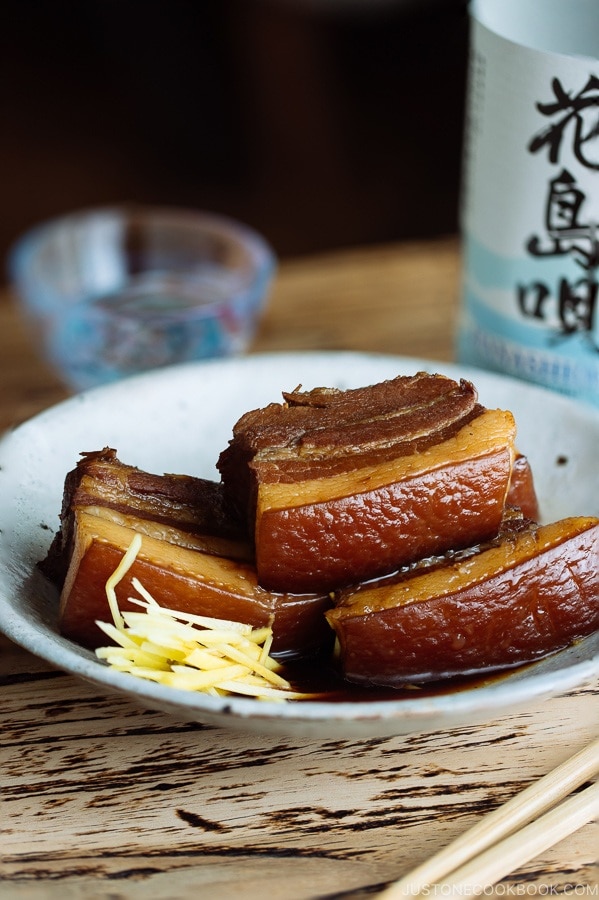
(204, 659)
(118, 575)
(187, 651)
(259, 669)
(163, 651)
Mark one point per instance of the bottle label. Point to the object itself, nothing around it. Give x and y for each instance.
(530, 215)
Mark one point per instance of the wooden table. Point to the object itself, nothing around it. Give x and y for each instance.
(101, 799)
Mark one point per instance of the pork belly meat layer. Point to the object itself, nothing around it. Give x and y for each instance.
(522, 492)
(181, 508)
(183, 579)
(341, 486)
(532, 591)
(194, 556)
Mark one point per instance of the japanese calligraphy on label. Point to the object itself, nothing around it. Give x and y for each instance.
(530, 215)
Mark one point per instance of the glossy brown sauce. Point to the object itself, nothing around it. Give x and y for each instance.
(322, 677)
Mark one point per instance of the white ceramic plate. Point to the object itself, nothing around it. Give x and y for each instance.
(178, 420)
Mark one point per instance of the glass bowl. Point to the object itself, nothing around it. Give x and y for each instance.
(113, 292)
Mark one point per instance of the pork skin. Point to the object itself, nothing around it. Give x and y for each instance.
(180, 508)
(182, 578)
(342, 486)
(522, 493)
(530, 593)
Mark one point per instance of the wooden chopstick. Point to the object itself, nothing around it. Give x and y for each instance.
(495, 847)
(521, 846)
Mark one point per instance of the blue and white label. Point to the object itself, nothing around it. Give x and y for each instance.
(530, 214)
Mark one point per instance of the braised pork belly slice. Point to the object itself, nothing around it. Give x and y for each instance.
(531, 592)
(185, 507)
(181, 578)
(522, 493)
(342, 486)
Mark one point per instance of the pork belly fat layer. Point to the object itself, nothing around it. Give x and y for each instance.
(319, 425)
(340, 486)
(189, 505)
(331, 532)
(183, 579)
(522, 492)
(533, 593)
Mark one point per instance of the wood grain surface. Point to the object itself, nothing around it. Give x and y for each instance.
(103, 799)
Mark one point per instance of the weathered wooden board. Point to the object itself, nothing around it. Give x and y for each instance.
(101, 798)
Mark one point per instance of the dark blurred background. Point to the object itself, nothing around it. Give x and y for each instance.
(323, 123)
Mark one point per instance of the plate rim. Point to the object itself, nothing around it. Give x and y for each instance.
(500, 696)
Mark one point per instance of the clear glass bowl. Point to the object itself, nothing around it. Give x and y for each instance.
(113, 292)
